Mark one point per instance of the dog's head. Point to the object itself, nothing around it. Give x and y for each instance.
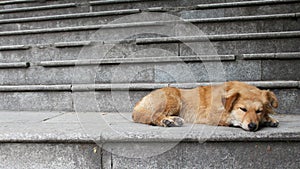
(247, 105)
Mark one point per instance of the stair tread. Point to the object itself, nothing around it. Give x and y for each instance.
(89, 127)
(132, 24)
(136, 86)
(103, 13)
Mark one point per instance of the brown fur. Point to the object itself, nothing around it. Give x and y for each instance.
(232, 103)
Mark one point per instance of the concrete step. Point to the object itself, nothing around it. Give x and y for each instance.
(242, 8)
(35, 8)
(43, 10)
(265, 42)
(65, 20)
(11, 4)
(116, 97)
(112, 140)
(206, 10)
(230, 43)
(100, 5)
(163, 69)
(216, 25)
(201, 9)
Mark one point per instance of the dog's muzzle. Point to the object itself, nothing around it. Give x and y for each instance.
(252, 126)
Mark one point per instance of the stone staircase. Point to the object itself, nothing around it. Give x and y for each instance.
(71, 72)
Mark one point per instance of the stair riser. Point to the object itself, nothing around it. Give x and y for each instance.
(246, 46)
(193, 154)
(263, 45)
(152, 3)
(44, 12)
(243, 70)
(249, 26)
(144, 5)
(108, 101)
(55, 155)
(48, 53)
(228, 27)
(32, 3)
(59, 23)
(242, 11)
(36, 101)
(215, 155)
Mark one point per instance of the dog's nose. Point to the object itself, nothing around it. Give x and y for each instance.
(252, 126)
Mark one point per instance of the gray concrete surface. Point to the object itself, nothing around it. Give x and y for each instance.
(235, 155)
(118, 127)
(55, 156)
(111, 140)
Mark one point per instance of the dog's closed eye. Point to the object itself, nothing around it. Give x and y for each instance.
(258, 111)
(243, 109)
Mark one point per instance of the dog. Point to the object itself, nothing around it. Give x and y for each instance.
(229, 104)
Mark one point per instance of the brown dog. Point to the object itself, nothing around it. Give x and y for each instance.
(230, 104)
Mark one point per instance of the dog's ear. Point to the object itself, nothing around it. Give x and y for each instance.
(270, 98)
(229, 99)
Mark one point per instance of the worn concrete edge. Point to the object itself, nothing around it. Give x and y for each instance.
(123, 25)
(15, 2)
(72, 44)
(83, 138)
(204, 58)
(25, 9)
(70, 16)
(112, 2)
(15, 65)
(224, 37)
(152, 86)
(136, 86)
(288, 136)
(14, 47)
(129, 11)
(34, 88)
(244, 18)
(40, 138)
(205, 6)
(281, 55)
(243, 3)
(199, 58)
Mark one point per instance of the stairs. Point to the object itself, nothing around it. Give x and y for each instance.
(63, 62)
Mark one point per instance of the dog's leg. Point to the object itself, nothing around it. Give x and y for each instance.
(167, 121)
(269, 121)
(160, 108)
(159, 119)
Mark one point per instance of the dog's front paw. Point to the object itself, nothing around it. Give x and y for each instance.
(271, 123)
(172, 122)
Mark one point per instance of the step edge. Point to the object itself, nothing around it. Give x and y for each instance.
(34, 88)
(70, 16)
(14, 47)
(243, 4)
(131, 11)
(105, 61)
(136, 86)
(14, 65)
(222, 37)
(16, 2)
(35, 8)
(279, 56)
